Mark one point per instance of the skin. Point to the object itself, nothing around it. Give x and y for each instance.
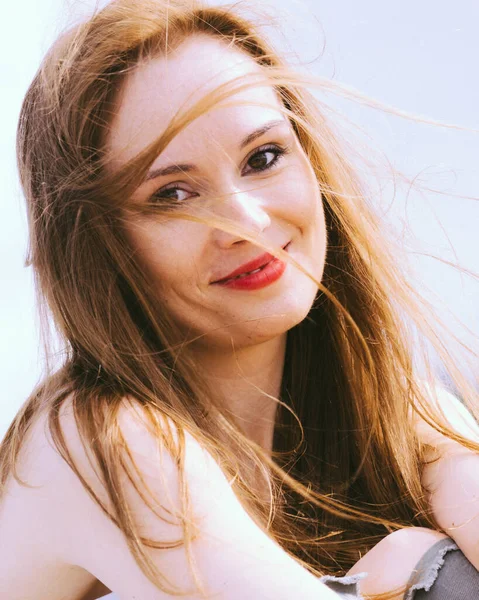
(245, 347)
(243, 351)
(283, 204)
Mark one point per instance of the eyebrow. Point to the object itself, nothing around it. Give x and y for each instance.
(187, 168)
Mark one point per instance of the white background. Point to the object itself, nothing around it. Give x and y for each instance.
(418, 55)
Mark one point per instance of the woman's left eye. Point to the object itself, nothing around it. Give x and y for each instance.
(265, 158)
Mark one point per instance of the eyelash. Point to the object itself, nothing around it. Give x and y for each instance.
(276, 149)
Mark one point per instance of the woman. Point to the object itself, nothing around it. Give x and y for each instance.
(237, 412)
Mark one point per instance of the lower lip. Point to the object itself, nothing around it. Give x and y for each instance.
(268, 275)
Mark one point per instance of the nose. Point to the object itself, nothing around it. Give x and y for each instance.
(245, 209)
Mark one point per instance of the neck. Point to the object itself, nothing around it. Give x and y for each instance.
(245, 378)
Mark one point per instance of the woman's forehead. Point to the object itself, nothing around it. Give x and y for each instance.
(158, 88)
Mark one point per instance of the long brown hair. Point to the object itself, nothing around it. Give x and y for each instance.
(346, 462)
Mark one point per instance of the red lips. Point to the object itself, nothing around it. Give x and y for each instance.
(261, 261)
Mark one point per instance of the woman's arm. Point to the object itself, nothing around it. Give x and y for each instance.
(451, 475)
(235, 558)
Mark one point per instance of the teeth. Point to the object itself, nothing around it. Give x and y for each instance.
(246, 274)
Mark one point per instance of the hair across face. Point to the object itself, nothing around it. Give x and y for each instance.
(266, 185)
(110, 254)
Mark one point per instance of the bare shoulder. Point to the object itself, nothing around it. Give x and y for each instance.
(451, 475)
(233, 557)
(453, 414)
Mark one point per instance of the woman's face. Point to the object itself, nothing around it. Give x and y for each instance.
(250, 157)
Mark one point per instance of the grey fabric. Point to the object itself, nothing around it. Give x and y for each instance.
(427, 569)
(444, 573)
(346, 587)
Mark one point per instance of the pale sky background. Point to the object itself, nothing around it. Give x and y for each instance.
(417, 55)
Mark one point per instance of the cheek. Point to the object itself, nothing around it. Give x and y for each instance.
(301, 201)
(165, 251)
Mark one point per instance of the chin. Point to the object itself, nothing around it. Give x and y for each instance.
(285, 316)
(298, 309)
(260, 321)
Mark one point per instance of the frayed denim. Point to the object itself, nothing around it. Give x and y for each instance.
(443, 573)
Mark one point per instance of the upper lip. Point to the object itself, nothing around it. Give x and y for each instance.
(258, 262)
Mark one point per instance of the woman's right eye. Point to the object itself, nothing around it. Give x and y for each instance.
(171, 193)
